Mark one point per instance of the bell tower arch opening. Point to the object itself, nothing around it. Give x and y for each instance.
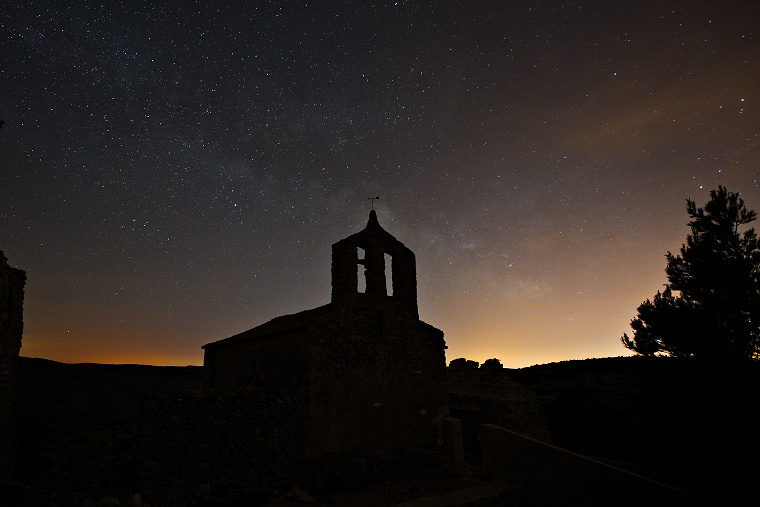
(373, 267)
(361, 272)
(388, 274)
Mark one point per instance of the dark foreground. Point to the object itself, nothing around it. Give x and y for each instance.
(680, 422)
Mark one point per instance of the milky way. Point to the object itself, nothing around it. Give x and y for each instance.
(173, 174)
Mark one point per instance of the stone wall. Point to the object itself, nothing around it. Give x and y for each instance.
(488, 394)
(12, 282)
(274, 362)
(525, 416)
(201, 445)
(370, 393)
(244, 445)
(374, 375)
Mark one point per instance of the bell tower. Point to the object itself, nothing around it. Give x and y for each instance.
(366, 254)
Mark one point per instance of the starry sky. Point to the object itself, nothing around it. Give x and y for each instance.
(172, 173)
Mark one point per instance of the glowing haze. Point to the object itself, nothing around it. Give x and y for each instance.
(174, 174)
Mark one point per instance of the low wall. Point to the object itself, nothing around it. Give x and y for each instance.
(549, 475)
(211, 446)
(201, 445)
(523, 414)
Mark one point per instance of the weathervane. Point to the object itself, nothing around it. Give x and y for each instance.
(373, 201)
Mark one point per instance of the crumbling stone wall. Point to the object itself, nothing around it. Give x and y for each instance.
(12, 282)
(196, 446)
(525, 415)
(487, 395)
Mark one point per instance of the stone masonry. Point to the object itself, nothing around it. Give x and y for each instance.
(343, 391)
(373, 373)
(12, 282)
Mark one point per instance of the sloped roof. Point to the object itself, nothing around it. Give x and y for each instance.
(295, 323)
(285, 324)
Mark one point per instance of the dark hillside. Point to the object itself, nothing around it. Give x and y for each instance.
(78, 423)
(684, 422)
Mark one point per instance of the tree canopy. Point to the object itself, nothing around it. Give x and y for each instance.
(710, 306)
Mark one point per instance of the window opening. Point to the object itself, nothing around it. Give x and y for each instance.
(388, 274)
(361, 276)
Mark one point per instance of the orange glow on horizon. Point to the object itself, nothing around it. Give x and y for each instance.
(90, 350)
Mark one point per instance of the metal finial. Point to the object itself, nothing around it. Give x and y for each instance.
(373, 201)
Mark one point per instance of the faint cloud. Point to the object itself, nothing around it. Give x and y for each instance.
(652, 109)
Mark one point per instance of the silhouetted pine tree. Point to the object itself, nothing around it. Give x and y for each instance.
(711, 304)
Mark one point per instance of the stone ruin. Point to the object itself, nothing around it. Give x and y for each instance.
(373, 374)
(335, 391)
(12, 282)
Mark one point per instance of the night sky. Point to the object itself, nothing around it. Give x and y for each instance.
(172, 173)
